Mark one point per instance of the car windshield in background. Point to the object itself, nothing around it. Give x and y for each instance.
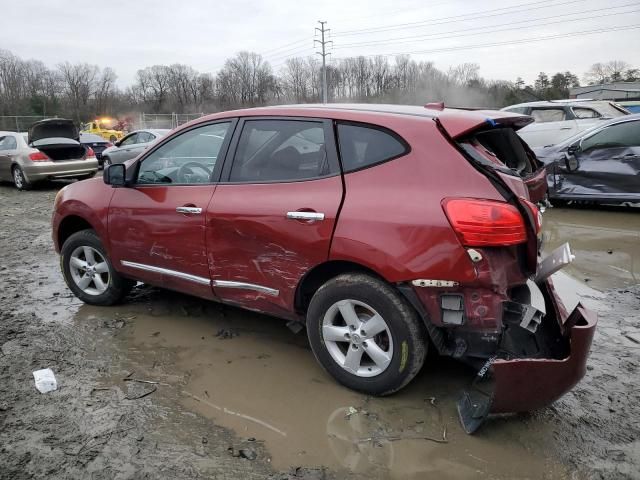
(606, 109)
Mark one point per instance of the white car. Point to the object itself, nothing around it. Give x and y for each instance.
(557, 120)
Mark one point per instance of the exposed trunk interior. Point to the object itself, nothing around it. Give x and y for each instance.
(61, 150)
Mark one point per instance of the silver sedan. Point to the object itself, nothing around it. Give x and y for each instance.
(131, 145)
(26, 159)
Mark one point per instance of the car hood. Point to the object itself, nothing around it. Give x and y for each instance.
(53, 128)
(110, 149)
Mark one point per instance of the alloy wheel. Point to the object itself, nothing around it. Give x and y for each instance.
(357, 338)
(89, 270)
(17, 178)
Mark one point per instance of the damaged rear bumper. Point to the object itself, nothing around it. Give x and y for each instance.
(511, 383)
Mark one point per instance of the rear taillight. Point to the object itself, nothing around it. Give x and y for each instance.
(485, 223)
(90, 152)
(535, 212)
(38, 157)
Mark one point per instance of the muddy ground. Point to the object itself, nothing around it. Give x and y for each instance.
(238, 395)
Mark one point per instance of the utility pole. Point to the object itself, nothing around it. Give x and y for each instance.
(323, 43)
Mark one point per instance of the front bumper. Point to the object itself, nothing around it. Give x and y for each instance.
(510, 383)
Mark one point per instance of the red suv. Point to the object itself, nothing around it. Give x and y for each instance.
(386, 230)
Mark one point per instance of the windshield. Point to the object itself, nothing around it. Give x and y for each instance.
(607, 109)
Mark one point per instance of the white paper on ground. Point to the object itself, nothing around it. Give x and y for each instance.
(45, 380)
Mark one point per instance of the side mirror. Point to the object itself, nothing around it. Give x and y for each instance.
(114, 175)
(571, 162)
(575, 148)
(116, 143)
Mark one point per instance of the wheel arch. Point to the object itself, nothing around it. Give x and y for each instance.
(72, 224)
(321, 274)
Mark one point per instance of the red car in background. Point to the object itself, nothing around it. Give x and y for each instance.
(386, 230)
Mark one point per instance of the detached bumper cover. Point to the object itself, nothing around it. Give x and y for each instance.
(517, 384)
(527, 384)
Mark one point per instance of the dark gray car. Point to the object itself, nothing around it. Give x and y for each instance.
(601, 165)
(131, 145)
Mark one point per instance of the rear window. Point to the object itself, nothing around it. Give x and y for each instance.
(506, 146)
(363, 146)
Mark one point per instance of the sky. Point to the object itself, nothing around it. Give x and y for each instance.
(130, 35)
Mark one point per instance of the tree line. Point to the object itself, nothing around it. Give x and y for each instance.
(82, 91)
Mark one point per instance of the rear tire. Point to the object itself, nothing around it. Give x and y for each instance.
(19, 179)
(379, 361)
(105, 161)
(88, 271)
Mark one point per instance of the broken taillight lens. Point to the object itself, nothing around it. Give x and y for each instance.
(482, 223)
(38, 157)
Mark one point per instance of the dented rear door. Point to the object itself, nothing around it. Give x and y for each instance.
(272, 218)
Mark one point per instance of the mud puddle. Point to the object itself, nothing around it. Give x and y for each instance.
(250, 373)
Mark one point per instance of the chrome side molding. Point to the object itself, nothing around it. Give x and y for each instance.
(246, 286)
(166, 271)
(202, 280)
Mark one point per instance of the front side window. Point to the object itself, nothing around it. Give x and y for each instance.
(280, 150)
(188, 158)
(581, 112)
(362, 146)
(8, 143)
(622, 135)
(145, 137)
(543, 115)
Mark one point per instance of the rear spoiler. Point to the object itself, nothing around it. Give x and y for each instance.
(458, 123)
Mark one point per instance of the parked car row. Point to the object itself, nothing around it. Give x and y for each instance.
(591, 149)
(55, 149)
(350, 220)
(51, 149)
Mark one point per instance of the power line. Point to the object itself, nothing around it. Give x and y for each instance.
(510, 42)
(455, 18)
(442, 35)
(288, 54)
(271, 50)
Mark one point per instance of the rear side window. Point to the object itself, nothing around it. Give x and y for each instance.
(363, 146)
(280, 150)
(543, 115)
(8, 143)
(581, 112)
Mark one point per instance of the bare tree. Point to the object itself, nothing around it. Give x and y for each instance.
(79, 83)
(597, 74)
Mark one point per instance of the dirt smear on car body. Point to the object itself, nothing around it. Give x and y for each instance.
(170, 385)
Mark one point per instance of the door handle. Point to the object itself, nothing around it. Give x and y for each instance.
(309, 216)
(565, 128)
(189, 210)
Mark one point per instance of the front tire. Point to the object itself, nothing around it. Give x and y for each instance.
(365, 334)
(19, 179)
(88, 271)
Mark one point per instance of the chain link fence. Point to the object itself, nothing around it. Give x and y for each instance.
(166, 120)
(18, 123)
(21, 123)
